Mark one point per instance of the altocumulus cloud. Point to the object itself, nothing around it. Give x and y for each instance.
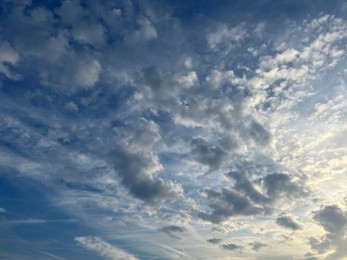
(173, 129)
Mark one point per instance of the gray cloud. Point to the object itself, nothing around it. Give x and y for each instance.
(288, 222)
(244, 185)
(256, 246)
(227, 203)
(258, 133)
(279, 184)
(214, 241)
(332, 218)
(232, 247)
(135, 163)
(334, 222)
(134, 168)
(206, 153)
(173, 230)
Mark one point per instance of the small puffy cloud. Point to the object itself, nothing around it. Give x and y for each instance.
(232, 247)
(89, 33)
(2, 210)
(103, 248)
(223, 34)
(146, 32)
(87, 73)
(187, 81)
(256, 246)
(173, 230)
(214, 241)
(288, 222)
(71, 106)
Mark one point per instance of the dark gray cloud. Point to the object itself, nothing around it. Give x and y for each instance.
(173, 230)
(288, 222)
(334, 221)
(134, 168)
(257, 133)
(227, 203)
(331, 218)
(256, 246)
(214, 241)
(232, 247)
(135, 163)
(281, 184)
(245, 186)
(206, 153)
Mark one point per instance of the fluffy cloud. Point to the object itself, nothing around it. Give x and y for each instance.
(227, 203)
(232, 247)
(8, 57)
(256, 246)
(214, 241)
(125, 106)
(136, 165)
(334, 222)
(288, 222)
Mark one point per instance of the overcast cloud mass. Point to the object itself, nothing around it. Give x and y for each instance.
(173, 129)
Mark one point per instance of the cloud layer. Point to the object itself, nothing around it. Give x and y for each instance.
(170, 129)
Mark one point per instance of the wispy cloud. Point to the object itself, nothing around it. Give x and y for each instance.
(103, 248)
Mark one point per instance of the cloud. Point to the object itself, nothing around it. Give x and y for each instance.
(214, 241)
(227, 203)
(103, 248)
(207, 154)
(281, 184)
(8, 58)
(146, 32)
(124, 105)
(244, 185)
(288, 222)
(224, 35)
(258, 133)
(173, 230)
(332, 218)
(87, 73)
(136, 164)
(334, 221)
(85, 29)
(256, 246)
(232, 247)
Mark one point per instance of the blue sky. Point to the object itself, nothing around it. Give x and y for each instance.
(173, 129)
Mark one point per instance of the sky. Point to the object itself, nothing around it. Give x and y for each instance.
(173, 129)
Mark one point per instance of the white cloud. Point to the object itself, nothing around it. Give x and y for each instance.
(225, 34)
(87, 72)
(103, 248)
(8, 57)
(146, 32)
